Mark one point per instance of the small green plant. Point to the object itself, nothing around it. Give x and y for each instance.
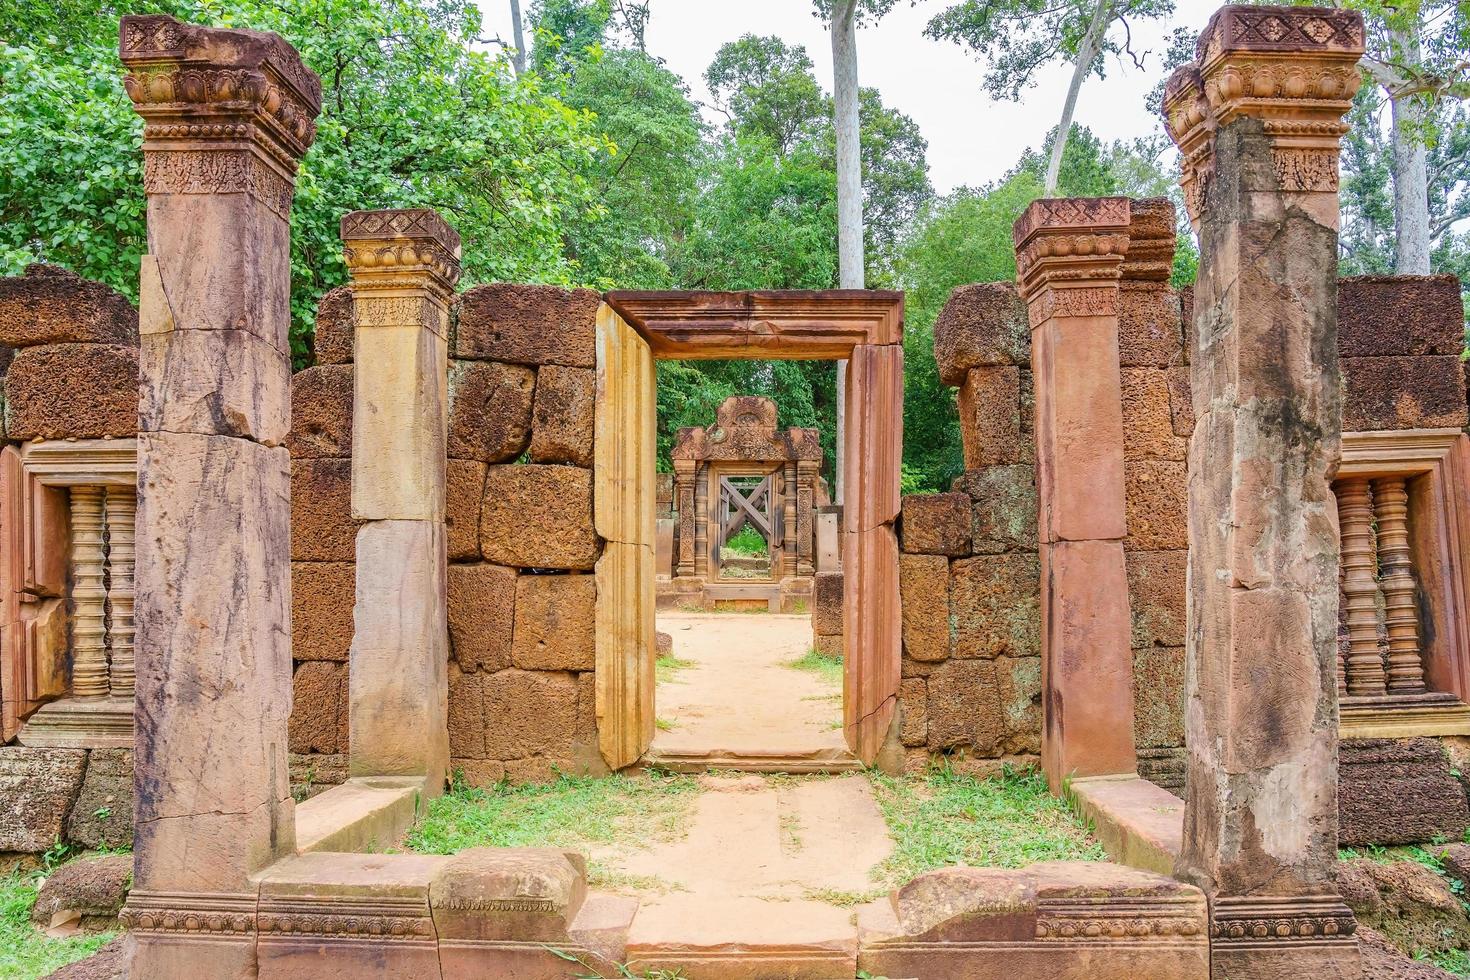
(620, 971)
(665, 668)
(102, 812)
(827, 668)
(664, 724)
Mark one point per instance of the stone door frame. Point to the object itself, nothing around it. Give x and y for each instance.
(861, 327)
(715, 473)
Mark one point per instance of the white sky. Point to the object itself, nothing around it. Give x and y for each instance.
(972, 139)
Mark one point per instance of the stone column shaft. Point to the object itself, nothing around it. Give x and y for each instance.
(1363, 664)
(88, 597)
(1258, 118)
(404, 265)
(1405, 668)
(121, 513)
(1069, 254)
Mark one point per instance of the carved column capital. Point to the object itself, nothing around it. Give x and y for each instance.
(225, 111)
(391, 251)
(1293, 68)
(1069, 254)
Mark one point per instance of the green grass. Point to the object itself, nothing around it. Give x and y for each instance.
(1455, 961)
(746, 543)
(25, 953)
(666, 667)
(575, 812)
(827, 668)
(942, 819)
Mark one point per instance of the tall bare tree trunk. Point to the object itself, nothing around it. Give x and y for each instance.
(1410, 170)
(849, 180)
(1086, 52)
(515, 21)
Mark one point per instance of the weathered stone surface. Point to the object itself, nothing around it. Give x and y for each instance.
(37, 788)
(103, 814)
(321, 412)
(1181, 401)
(936, 524)
(981, 325)
(1150, 332)
(1398, 791)
(1399, 392)
(554, 622)
(990, 418)
(400, 402)
(562, 417)
(464, 488)
(1158, 696)
(319, 715)
(529, 713)
(322, 593)
(1399, 315)
(924, 586)
(965, 707)
(482, 608)
(477, 773)
(913, 701)
(72, 391)
(1148, 421)
(467, 716)
(520, 324)
(489, 410)
(663, 643)
(1003, 516)
(538, 516)
(1157, 498)
(828, 645)
(827, 603)
(332, 342)
(322, 527)
(1408, 903)
(1156, 597)
(1019, 683)
(86, 893)
(529, 895)
(214, 382)
(52, 305)
(314, 773)
(994, 605)
(1382, 960)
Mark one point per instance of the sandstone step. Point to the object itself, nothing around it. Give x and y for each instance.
(792, 761)
(730, 938)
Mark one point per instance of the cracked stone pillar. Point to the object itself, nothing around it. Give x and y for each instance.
(404, 264)
(1069, 255)
(1257, 118)
(228, 115)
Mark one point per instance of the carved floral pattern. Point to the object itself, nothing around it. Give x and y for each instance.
(369, 926)
(206, 171)
(1115, 927)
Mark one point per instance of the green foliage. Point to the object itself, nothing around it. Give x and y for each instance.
(25, 952)
(747, 541)
(667, 667)
(829, 669)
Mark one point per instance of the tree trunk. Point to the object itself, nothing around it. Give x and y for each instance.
(515, 21)
(1086, 51)
(1410, 170)
(849, 181)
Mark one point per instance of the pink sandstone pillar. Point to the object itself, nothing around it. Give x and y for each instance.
(1257, 119)
(404, 265)
(1069, 255)
(228, 115)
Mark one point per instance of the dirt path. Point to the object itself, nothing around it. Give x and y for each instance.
(740, 695)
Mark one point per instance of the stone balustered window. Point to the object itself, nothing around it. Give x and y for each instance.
(1404, 636)
(68, 651)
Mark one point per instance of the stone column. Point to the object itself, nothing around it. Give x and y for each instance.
(121, 504)
(1363, 667)
(1401, 611)
(1069, 255)
(88, 596)
(404, 265)
(228, 115)
(1257, 118)
(684, 470)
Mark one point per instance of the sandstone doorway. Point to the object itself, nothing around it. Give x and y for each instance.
(864, 329)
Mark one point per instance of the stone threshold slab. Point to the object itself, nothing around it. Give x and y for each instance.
(800, 762)
(735, 938)
(365, 813)
(1140, 824)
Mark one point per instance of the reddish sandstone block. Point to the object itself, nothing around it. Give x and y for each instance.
(555, 626)
(1018, 680)
(481, 602)
(537, 770)
(936, 524)
(995, 604)
(72, 391)
(964, 707)
(924, 586)
(1158, 697)
(913, 702)
(318, 721)
(477, 773)
(586, 731)
(322, 528)
(1003, 513)
(535, 714)
(1157, 495)
(489, 410)
(322, 594)
(1148, 418)
(464, 487)
(521, 324)
(1156, 596)
(981, 325)
(1150, 331)
(52, 305)
(332, 342)
(1399, 315)
(562, 417)
(1398, 392)
(827, 603)
(321, 412)
(829, 645)
(990, 417)
(466, 715)
(1181, 400)
(536, 516)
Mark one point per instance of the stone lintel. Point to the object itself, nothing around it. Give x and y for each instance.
(1068, 247)
(399, 251)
